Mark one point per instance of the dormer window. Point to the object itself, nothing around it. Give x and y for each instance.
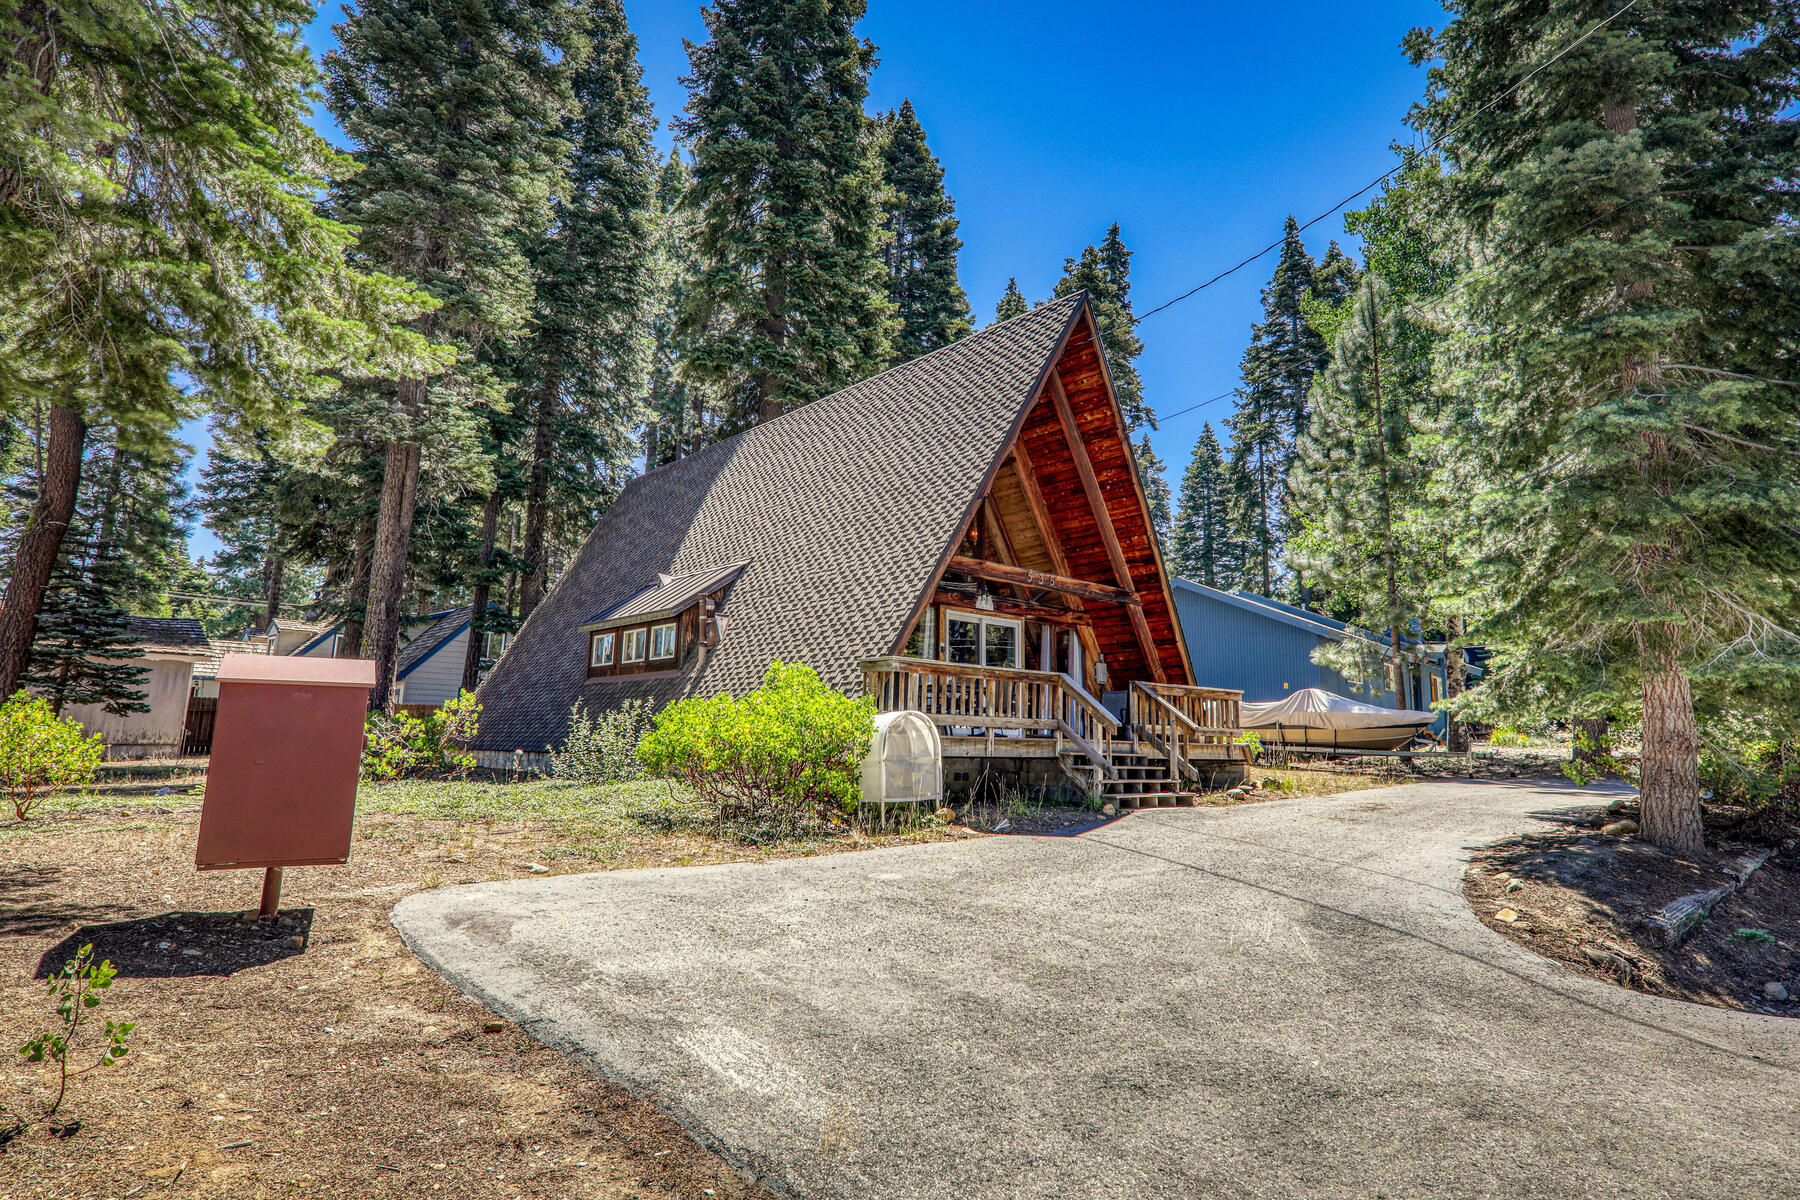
(665, 628)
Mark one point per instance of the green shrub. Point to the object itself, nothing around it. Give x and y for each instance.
(1591, 760)
(789, 752)
(604, 748)
(408, 747)
(41, 752)
(1750, 760)
(1252, 739)
(1505, 735)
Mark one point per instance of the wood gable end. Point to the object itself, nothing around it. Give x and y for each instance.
(1059, 533)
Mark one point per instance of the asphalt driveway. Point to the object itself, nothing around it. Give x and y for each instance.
(1281, 1000)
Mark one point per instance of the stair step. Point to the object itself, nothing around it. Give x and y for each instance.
(1159, 800)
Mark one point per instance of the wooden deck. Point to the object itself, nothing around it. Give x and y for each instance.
(1173, 736)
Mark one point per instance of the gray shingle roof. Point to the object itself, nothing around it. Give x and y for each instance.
(173, 635)
(673, 596)
(843, 510)
(444, 626)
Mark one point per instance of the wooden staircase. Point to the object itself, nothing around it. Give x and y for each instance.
(1141, 778)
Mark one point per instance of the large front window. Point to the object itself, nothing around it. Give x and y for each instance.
(976, 639)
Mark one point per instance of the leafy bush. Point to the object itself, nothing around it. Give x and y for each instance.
(41, 752)
(1594, 759)
(789, 752)
(408, 747)
(604, 748)
(73, 991)
(1505, 735)
(1252, 739)
(1750, 760)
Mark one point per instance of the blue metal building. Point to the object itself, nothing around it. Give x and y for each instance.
(1264, 648)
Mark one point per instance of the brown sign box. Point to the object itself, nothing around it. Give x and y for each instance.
(287, 748)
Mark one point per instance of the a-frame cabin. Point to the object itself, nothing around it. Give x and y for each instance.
(965, 535)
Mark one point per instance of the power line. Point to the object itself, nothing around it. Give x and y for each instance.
(1392, 171)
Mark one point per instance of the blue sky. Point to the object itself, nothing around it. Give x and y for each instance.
(1198, 127)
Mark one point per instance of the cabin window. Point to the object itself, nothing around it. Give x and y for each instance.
(601, 655)
(980, 640)
(662, 641)
(1437, 689)
(919, 645)
(634, 645)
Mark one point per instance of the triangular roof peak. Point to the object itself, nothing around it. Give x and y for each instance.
(843, 510)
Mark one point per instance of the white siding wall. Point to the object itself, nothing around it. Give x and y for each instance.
(439, 678)
(144, 735)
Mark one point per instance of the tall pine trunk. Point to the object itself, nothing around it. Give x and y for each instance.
(1669, 783)
(1456, 677)
(274, 567)
(393, 538)
(362, 558)
(40, 541)
(536, 577)
(478, 599)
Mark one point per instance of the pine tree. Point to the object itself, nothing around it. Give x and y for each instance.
(125, 549)
(239, 494)
(1203, 548)
(1356, 475)
(1285, 352)
(85, 652)
(1333, 283)
(1632, 302)
(157, 173)
(1104, 273)
(921, 247)
(680, 421)
(1152, 475)
(790, 303)
(456, 114)
(1247, 529)
(586, 364)
(1012, 302)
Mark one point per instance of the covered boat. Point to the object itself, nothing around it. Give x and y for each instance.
(1316, 718)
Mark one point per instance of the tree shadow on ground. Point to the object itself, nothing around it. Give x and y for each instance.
(33, 904)
(181, 944)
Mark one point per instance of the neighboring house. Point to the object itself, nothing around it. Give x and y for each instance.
(432, 654)
(430, 667)
(1264, 649)
(964, 534)
(284, 635)
(173, 647)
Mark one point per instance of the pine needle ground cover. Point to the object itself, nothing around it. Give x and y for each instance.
(321, 1058)
(1581, 896)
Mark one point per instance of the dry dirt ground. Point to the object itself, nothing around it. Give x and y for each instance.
(1580, 896)
(321, 1058)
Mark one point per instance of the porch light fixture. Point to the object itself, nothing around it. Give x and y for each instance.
(984, 602)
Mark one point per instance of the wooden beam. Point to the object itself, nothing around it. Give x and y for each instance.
(1041, 580)
(1115, 553)
(1059, 562)
(1006, 606)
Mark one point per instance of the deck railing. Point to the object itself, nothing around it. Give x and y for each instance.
(1178, 719)
(957, 694)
